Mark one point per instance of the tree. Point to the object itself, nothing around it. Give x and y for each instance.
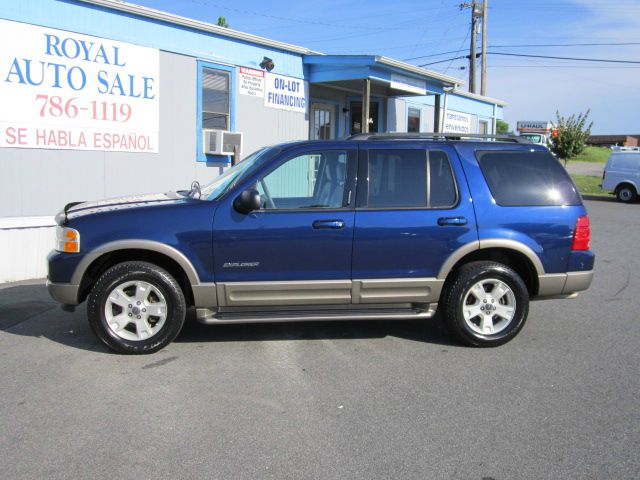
(572, 135)
(222, 22)
(502, 127)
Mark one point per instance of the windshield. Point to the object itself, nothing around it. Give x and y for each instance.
(533, 138)
(229, 178)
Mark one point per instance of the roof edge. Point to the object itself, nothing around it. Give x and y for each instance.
(195, 24)
(482, 98)
(392, 62)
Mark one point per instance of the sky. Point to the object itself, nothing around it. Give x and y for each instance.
(534, 88)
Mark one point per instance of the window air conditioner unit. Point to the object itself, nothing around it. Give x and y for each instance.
(220, 142)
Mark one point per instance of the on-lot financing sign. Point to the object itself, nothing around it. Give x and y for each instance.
(285, 93)
(65, 90)
(456, 122)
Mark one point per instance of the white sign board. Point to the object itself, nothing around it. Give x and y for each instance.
(456, 122)
(285, 93)
(408, 84)
(541, 125)
(251, 82)
(64, 90)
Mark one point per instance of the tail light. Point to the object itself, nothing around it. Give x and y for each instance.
(581, 234)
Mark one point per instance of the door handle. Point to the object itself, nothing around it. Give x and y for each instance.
(456, 221)
(332, 224)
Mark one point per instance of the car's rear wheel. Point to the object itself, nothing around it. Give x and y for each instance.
(626, 194)
(136, 307)
(485, 304)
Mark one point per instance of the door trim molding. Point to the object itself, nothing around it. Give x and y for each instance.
(309, 292)
(391, 290)
(323, 292)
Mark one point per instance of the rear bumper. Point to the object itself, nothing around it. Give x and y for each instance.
(64, 293)
(554, 285)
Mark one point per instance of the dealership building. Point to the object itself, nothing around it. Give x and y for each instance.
(101, 98)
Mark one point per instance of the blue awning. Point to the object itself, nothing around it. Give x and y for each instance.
(401, 78)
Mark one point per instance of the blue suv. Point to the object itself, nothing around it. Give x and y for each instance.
(372, 227)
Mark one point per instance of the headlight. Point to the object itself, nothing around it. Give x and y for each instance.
(67, 240)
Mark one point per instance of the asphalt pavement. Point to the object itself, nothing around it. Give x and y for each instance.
(352, 400)
(591, 169)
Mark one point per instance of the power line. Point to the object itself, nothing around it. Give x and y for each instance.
(374, 29)
(588, 67)
(445, 60)
(459, 49)
(605, 60)
(533, 45)
(606, 44)
(353, 35)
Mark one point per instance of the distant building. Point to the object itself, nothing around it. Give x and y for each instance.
(613, 140)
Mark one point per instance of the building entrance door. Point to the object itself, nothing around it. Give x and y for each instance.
(355, 117)
(322, 124)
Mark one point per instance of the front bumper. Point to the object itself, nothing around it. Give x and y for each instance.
(64, 293)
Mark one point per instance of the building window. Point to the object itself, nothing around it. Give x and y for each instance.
(413, 120)
(215, 106)
(483, 127)
(215, 99)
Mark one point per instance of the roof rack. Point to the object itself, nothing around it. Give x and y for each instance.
(438, 136)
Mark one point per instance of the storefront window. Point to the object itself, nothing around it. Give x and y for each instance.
(215, 99)
(413, 120)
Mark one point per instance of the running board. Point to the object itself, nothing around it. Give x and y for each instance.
(321, 313)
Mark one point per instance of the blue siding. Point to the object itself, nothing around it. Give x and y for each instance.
(484, 110)
(470, 105)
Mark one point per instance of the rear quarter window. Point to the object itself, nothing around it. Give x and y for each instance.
(522, 178)
(624, 161)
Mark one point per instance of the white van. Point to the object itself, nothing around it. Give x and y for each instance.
(622, 174)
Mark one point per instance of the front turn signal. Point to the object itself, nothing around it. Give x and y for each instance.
(67, 240)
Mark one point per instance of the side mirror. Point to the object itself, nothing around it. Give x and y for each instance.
(248, 201)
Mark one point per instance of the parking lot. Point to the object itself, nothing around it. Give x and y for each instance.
(334, 400)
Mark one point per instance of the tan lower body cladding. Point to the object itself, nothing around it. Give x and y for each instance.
(334, 292)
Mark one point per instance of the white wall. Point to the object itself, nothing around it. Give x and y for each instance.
(23, 248)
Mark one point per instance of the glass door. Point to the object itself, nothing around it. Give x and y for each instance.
(322, 123)
(355, 110)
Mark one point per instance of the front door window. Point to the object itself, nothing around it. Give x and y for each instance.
(310, 180)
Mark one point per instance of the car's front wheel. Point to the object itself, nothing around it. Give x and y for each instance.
(136, 307)
(485, 304)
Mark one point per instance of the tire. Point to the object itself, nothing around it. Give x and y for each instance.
(471, 292)
(122, 304)
(626, 194)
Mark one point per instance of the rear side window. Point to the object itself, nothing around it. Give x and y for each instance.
(410, 179)
(527, 179)
(625, 161)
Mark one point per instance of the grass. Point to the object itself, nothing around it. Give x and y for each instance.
(593, 154)
(588, 185)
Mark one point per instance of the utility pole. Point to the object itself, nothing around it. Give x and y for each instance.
(476, 12)
(483, 77)
(472, 50)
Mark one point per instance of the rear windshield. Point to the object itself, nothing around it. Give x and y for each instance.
(527, 179)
